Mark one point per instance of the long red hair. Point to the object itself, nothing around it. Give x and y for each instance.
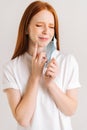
(31, 10)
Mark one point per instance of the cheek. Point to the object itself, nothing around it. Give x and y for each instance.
(33, 34)
(32, 31)
(52, 33)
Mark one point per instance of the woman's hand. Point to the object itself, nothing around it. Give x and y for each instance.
(51, 72)
(38, 62)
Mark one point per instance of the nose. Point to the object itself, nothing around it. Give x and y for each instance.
(45, 29)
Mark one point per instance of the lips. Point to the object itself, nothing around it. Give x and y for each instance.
(43, 38)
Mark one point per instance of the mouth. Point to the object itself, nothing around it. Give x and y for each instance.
(43, 38)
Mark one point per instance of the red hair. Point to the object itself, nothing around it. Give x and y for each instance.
(31, 10)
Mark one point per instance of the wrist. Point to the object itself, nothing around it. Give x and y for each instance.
(51, 85)
(34, 79)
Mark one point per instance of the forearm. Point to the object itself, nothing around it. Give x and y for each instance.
(26, 106)
(65, 103)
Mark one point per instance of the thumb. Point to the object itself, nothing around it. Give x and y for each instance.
(53, 60)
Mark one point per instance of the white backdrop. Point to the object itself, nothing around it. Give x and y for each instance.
(73, 39)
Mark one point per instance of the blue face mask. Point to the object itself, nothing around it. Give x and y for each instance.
(49, 49)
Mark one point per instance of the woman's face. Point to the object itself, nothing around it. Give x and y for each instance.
(41, 28)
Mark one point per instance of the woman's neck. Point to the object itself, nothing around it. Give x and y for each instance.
(31, 49)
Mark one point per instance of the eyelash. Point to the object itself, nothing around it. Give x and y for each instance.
(38, 25)
(42, 25)
(52, 27)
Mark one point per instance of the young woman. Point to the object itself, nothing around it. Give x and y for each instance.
(41, 97)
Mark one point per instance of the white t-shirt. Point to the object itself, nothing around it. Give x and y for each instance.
(46, 116)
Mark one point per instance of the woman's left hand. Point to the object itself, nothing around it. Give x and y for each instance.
(51, 72)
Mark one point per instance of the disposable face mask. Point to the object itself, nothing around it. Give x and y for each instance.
(49, 50)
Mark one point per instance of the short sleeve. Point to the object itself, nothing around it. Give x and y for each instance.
(73, 73)
(8, 79)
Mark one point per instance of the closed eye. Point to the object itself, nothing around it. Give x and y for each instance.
(51, 27)
(38, 25)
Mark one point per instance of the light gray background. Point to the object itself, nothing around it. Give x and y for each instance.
(73, 30)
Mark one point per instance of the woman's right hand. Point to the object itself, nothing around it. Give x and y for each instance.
(38, 62)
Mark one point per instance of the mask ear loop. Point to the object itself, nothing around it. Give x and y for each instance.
(54, 41)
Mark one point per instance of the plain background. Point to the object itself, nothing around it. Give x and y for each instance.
(73, 39)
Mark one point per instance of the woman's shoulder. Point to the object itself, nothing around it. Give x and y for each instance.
(18, 61)
(12, 63)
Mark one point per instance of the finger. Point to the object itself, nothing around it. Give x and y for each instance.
(35, 51)
(41, 57)
(51, 69)
(53, 61)
(43, 61)
(50, 74)
(52, 65)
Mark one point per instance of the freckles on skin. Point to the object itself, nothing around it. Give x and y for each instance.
(44, 19)
(32, 35)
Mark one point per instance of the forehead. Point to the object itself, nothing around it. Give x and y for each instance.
(44, 16)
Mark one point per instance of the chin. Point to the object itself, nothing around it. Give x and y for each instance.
(41, 49)
(43, 44)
